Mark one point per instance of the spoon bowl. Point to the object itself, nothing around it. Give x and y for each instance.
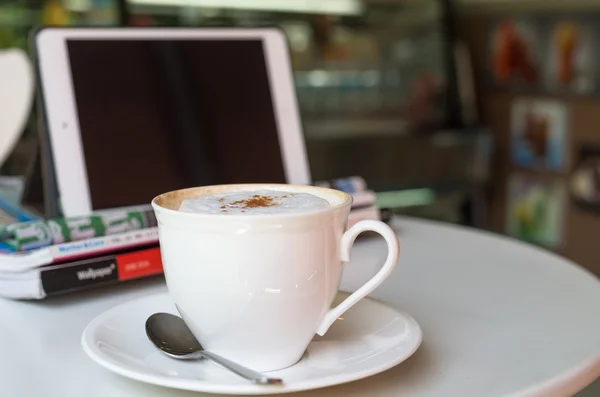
(172, 336)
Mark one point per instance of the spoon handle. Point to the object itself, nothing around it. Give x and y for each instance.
(242, 371)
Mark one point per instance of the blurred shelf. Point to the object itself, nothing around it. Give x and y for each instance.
(349, 128)
(439, 160)
(333, 7)
(515, 6)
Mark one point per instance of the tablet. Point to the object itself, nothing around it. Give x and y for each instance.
(132, 113)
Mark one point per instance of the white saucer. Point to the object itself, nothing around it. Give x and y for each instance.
(371, 338)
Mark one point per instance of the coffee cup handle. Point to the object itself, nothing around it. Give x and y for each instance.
(390, 263)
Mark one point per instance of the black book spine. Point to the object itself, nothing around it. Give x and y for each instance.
(73, 276)
(99, 271)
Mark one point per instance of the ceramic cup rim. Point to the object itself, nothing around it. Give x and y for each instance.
(345, 200)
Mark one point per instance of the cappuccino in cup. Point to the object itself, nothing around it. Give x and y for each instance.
(254, 202)
(254, 269)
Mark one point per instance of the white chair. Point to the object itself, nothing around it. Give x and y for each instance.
(16, 97)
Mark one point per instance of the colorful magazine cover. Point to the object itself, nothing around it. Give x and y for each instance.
(571, 59)
(538, 134)
(516, 52)
(536, 209)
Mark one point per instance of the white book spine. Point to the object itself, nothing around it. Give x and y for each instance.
(357, 215)
(103, 244)
(363, 199)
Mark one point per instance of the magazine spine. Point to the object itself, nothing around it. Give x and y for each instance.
(102, 270)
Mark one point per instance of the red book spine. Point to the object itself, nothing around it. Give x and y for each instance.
(139, 264)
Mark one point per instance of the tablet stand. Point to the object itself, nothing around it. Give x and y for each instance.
(40, 193)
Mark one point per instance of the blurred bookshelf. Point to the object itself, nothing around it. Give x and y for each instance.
(373, 84)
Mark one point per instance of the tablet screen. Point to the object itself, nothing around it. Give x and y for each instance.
(160, 115)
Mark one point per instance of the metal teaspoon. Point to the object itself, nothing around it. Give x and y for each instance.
(170, 334)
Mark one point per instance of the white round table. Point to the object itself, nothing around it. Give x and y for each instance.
(499, 318)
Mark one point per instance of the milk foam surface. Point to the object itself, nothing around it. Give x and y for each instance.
(254, 202)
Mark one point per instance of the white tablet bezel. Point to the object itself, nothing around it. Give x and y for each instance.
(61, 110)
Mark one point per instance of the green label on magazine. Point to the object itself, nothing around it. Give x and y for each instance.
(28, 236)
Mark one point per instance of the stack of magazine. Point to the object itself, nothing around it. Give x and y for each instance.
(43, 258)
(363, 199)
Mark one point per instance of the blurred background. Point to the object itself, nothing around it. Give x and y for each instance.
(481, 113)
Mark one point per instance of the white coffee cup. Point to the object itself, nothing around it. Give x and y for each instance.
(256, 288)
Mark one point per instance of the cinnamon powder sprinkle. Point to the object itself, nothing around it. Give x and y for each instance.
(255, 201)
